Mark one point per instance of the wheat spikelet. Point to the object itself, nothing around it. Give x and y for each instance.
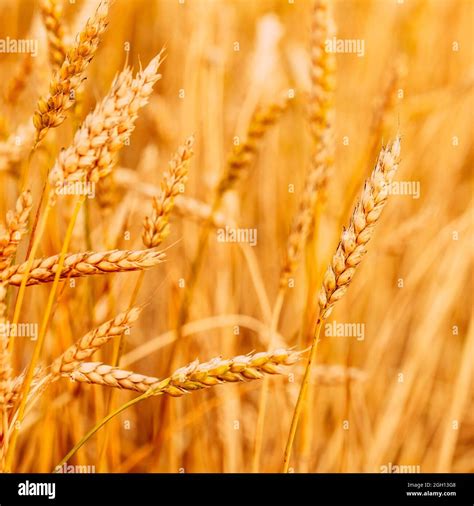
(194, 376)
(107, 128)
(156, 226)
(18, 82)
(82, 264)
(17, 222)
(351, 248)
(51, 110)
(51, 11)
(93, 340)
(244, 153)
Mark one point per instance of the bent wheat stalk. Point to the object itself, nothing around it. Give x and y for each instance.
(194, 376)
(349, 254)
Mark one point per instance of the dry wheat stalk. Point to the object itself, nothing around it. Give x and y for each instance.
(51, 13)
(51, 110)
(245, 152)
(5, 363)
(197, 210)
(351, 248)
(156, 226)
(83, 264)
(194, 376)
(17, 83)
(16, 228)
(106, 130)
(92, 341)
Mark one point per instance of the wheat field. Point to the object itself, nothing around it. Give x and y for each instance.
(196, 274)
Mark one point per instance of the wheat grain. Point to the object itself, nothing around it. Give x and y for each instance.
(82, 264)
(156, 226)
(351, 248)
(194, 376)
(106, 130)
(51, 109)
(51, 13)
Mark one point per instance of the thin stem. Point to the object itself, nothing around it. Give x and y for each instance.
(43, 328)
(262, 405)
(100, 424)
(301, 397)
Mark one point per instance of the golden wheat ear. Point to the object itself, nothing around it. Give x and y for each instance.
(156, 226)
(77, 265)
(194, 376)
(52, 108)
(351, 248)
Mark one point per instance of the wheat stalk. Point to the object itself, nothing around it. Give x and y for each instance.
(82, 264)
(199, 211)
(349, 254)
(106, 130)
(194, 376)
(51, 109)
(51, 12)
(156, 226)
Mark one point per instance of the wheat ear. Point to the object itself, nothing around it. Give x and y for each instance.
(105, 131)
(82, 264)
(51, 109)
(92, 341)
(351, 248)
(17, 223)
(156, 226)
(51, 13)
(349, 254)
(194, 376)
(244, 153)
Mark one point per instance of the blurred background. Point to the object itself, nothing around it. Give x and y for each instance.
(402, 394)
